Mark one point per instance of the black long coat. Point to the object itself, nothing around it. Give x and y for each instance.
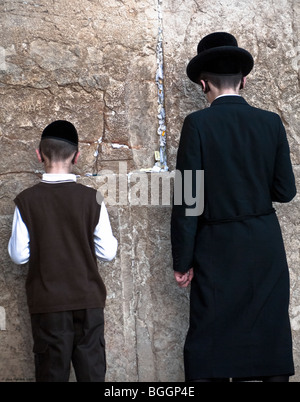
(239, 321)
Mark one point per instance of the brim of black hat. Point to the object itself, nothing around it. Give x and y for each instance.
(204, 61)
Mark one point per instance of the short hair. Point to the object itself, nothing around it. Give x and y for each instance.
(222, 81)
(57, 150)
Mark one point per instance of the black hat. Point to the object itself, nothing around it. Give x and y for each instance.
(219, 53)
(61, 130)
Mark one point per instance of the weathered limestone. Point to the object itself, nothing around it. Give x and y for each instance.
(89, 61)
(94, 63)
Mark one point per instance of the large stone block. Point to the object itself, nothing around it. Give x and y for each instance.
(269, 32)
(89, 62)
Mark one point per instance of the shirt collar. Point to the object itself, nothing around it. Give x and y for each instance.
(58, 178)
(220, 96)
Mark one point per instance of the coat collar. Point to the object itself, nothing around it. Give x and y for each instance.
(229, 99)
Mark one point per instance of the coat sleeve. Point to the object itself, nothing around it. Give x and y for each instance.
(283, 186)
(183, 222)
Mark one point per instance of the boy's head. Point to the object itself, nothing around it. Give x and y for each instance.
(59, 142)
(222, 81)
(219, 53)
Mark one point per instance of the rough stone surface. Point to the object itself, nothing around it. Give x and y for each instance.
(94, 62)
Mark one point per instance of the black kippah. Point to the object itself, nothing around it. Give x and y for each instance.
(61, 130)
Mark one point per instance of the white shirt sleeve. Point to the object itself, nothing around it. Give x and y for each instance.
(19, 243)
(105, 243)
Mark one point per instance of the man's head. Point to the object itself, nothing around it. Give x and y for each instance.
(226, 83)
(59, 143)
(218, 53)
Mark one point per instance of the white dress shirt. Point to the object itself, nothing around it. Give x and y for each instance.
(19, 244)
(221, 96)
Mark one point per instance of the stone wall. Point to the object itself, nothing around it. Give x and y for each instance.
(95, 63)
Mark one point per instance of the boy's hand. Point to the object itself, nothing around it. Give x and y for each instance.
(183, 280)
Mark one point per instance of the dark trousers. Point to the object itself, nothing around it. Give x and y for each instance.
(65, 337)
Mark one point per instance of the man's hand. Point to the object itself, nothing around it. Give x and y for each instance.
(184, 280)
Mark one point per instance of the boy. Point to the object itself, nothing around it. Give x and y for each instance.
(60, 229)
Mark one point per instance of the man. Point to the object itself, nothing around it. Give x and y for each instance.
(233, 254)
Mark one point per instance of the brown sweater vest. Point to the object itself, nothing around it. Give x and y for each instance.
(63, 273)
